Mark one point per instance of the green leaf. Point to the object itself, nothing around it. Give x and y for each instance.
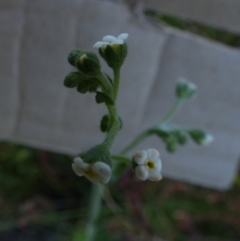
(102, 97)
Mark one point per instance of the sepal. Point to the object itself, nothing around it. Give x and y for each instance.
(98, 153)
(114, 54)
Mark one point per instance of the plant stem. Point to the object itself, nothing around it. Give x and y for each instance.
(148, 132)
(95, 208)
(116, 73)
(115, 126)
(172, 112)
(121, 159)
(135, 142)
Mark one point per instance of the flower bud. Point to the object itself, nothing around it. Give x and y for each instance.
(201, 137)
(73, 56)
(185, 89)
(88, 64)
(73, 79)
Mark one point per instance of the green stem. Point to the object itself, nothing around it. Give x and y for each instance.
(147, 133)
(106, 85)
(135, 142)
(172, 112)
(121, 159)
(95, 208)
(115, 126)
(116, 73)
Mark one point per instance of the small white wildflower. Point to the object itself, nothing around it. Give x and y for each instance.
(111, 40)
(148, 165)
(98, 172)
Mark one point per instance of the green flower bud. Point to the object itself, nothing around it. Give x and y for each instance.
(88, 64)
(74, 56)
(185, 89)
(201, 137)
(73, 79)
(89, 84)
(180, 137)
(171, 145)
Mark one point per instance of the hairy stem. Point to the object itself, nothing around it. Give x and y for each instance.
(95, 208)
(135, 142)
(171, 113)
(115, 126)
(116, 73)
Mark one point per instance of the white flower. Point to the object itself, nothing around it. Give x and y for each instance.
(98, 172)
(111, 40)
(149, 165)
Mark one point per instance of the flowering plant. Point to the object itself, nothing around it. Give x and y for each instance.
(98, 164)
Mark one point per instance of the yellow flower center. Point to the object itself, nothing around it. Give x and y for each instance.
(91, 173)
(149, 164)
(117, 48)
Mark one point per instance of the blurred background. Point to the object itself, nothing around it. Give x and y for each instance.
(40, 196)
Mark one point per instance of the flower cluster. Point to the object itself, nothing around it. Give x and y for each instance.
(147, 165)
(98, 172)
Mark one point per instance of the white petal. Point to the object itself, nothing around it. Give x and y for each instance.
(140, 157)
(208, 139)
(99, 44)
(108, 38)
(158, 165)
(141, 172)
(117, 41)
(78, 170)
(103, 170)
(123, 36)
(153, 154)
(154, 176)
(80, 163)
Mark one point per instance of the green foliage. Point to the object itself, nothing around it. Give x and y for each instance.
(104, 125)
(73, 79)
(102, 97)
(73, 56)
